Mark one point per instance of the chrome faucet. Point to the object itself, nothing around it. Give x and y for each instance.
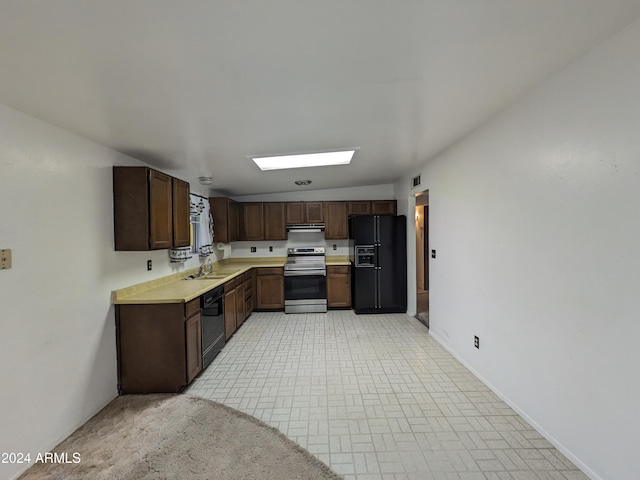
(205, 268)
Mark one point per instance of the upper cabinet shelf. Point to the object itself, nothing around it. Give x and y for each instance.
(150, 210)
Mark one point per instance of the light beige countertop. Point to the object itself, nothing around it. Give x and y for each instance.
(333, 260)
(174, 289)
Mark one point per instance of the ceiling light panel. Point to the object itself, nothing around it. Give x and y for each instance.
(320, 159)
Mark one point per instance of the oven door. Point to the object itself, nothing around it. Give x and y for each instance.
(305, 287)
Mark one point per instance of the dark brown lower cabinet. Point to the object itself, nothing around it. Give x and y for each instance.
(238, 302)
(239, 305)
(158, 346)
(229, 309)
(248, 293)
(270, 288)
(193, 332)
(338, 286)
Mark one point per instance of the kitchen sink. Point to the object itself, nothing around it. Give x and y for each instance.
(208, 276)
(218, 274)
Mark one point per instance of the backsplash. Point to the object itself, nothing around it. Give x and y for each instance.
(243, 249)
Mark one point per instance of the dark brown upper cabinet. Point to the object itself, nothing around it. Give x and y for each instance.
(274, 221)
(253, 216)
(372, 207)
(143, 210)
(384, 207)
(226, 219)
(295, 212)
(314, 212)
(359, 207)
(181, 214)
(305, 212)
(336, 226)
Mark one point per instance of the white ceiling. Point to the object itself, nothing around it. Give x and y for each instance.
(197, 86)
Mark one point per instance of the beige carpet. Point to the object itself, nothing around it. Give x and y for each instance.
(178, 437)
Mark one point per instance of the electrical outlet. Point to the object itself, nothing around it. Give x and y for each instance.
(476, 342)
(149, 265)
(433, 254)
(270, 248)
(253, 249)
(5, 259)
(335, 247)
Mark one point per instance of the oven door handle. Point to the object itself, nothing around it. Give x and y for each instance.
(301, 273)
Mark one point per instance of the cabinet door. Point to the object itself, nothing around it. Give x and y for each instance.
(234, 221)
(360, 207)
(220, 213)
(248, 296)
(274, 221)
(160, 211)
(314, 212)
(270, 290)
(181, 214)
(253, 216)
(383, 207)
(336, 226)
(338, 287)
(239, 305)
(295, 212)
(229, 314)
(193, 334)
(151, 343)
(254, 288)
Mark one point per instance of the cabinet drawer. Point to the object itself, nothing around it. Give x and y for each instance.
(271, 271)
(191, 307)
(337, 269)
(230, 285)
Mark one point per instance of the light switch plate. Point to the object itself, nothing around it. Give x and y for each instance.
(5, 259)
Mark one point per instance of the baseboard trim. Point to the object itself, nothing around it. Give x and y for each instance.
(565, 451)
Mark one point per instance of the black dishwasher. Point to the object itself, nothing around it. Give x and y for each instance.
(212, 319)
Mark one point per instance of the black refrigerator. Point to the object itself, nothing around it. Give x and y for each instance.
(378, 255)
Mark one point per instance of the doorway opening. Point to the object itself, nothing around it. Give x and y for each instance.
(422, 257)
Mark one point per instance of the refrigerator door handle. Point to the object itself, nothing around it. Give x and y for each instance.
(378, 292)
(375, 287)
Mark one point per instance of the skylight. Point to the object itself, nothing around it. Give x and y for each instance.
(320, 159)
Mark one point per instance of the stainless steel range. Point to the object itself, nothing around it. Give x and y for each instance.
(305, 280)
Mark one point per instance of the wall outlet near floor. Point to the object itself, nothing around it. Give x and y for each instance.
(253, 249)
(476, 342)
(5, 259)
(149, 265)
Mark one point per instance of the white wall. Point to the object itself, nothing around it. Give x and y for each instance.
(535, 219)
(57, 325)
(243, 249)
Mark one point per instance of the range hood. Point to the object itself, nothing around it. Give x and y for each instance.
(305, 227)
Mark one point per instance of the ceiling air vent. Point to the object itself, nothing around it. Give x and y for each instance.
(416, 181)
